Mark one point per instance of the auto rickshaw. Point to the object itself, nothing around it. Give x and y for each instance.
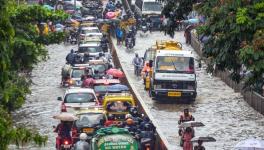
(118, 104)
(114, 138)
(89, 120)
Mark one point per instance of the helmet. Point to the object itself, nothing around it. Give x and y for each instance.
(133, 111)
(111, 117)
(83, 136)
(147, 127)
(129, 121)
(128, 116)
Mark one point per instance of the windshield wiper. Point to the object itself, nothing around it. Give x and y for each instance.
(173, 64)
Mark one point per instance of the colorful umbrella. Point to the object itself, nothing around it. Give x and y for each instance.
(64, 116)
(115, 73)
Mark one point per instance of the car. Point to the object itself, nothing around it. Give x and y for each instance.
(76, 73)
(77, 98)
(88, 31)
(93, 48)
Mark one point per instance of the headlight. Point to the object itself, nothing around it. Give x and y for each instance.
(158, 86)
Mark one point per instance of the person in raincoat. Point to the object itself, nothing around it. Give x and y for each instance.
(187, 137)
(119, 35)
(82, 144)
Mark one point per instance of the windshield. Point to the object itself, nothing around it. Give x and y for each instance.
(90, 31)
(94, 49)
(152, 6)
(118, 106)
(77, 73)
(100, 88)
(79, 98)
(99, 67)
(68, 7)
(149, 55)
(173, 64)
(89, 119)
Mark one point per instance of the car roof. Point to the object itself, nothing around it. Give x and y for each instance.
(182, 53)
(79, 90)
(95, 43)
(89, 28)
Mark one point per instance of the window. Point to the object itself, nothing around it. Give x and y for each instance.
(77, 73)
(167, 64)
(101, 68)
(118, 106)
(89, 119)
(91, 49)
(152, 6)
(79, 98)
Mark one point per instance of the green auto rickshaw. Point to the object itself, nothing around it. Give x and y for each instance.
(113, 138)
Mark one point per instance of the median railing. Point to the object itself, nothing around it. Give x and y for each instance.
(251, 97)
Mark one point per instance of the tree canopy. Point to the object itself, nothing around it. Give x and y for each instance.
(21, 47)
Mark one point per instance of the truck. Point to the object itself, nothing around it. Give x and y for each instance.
(173, 73)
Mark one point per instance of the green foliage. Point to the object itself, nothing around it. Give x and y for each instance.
(21, 47)
(235, 28)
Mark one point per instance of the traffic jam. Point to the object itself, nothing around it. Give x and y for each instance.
(97, 109)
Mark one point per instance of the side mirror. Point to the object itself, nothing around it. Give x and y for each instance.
(59, 98)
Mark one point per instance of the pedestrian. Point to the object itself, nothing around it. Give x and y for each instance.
(70, 58)
(187, 137)
(119, 35)
(199, 146)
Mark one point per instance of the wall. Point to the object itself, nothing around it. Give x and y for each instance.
(254, 99)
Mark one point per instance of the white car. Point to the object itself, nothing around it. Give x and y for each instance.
(90, 31)
(93, 48)
(78, 98)
(76, 73)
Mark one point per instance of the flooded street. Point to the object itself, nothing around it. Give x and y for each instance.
(42, 103)
(227, 117)
(225, 114)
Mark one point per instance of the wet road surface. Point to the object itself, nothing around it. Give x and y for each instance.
(42, 103)
(227, 117)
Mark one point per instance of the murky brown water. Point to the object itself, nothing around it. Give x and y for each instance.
(227, 117)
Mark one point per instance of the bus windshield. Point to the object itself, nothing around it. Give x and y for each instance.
(174, 64)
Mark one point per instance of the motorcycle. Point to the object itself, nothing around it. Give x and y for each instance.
(63, 143)
(146, 143)
(144, 30)
(129, 43)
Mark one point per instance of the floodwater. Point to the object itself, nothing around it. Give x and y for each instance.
(227, 117)
(225, 114)
(42, 103)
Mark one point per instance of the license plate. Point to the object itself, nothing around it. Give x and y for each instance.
(88, 130)
(66, 146)
(174, 94)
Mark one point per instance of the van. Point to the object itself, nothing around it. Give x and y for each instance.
(151, 9)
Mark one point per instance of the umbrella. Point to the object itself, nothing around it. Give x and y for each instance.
(115, 73)
(250, 144)
(204, 139)
(117, 87)
(64, 116)
(191, 124)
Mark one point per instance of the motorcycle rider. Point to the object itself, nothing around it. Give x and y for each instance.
(137, 62)
(70, 58)
(82, 144)
(147, 133)
(199, 146)
(118, 5)
(65, 72)
(104, 43)
(150, 24)
(131, 36)
(64, 132)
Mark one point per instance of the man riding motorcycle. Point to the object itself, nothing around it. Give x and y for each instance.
(82, 144)
(104, 43)
(64, 133)
(130, 38)
(70, 58)
(147, 137)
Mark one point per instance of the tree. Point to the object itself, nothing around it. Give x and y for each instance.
(236, 31)
(21, 47)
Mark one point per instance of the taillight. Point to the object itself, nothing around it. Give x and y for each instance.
(71, 82)
(66, 142)
(74, 132)
(63, 108)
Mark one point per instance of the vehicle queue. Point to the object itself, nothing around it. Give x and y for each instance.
(97, 110)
